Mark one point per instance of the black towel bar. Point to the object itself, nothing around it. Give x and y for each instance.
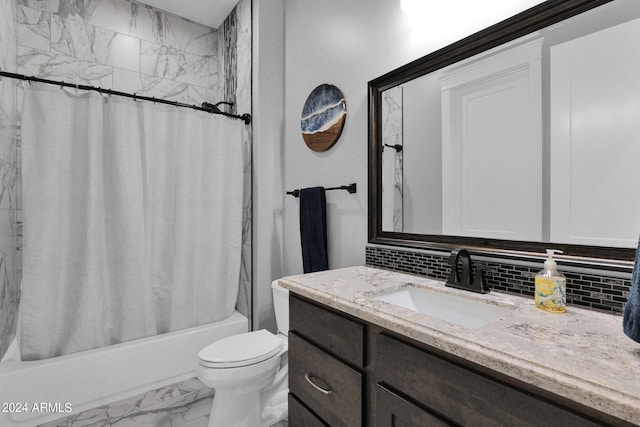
(351, 188)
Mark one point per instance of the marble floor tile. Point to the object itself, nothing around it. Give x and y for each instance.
(198, 422)
(188, 414)
(146, 419)
(56, 423)
(97, 417)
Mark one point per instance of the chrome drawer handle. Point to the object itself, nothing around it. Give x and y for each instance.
(308, 377)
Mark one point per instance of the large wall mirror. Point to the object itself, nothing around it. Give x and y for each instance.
(523, 136)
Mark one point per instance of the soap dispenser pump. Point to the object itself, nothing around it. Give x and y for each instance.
(551, 286)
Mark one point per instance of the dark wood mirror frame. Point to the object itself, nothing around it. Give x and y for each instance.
(536, 18)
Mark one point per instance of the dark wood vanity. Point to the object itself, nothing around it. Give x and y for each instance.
(344, 371)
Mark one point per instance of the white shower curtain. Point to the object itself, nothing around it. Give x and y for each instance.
(132, 219)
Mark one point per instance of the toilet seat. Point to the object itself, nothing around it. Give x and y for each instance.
(241, 350)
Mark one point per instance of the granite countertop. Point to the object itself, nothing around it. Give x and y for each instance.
(582, 354)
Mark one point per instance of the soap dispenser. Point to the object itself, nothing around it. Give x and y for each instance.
(551, 286)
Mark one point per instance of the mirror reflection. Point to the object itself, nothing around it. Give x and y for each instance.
(534, 140)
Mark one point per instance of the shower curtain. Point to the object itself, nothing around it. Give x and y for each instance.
(132, 219)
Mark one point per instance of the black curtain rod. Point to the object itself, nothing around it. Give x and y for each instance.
(351, 188)
(209, 108)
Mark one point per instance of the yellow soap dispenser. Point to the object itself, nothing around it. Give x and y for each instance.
(551, 286)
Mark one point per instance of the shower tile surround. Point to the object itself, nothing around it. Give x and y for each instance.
(236, 87)
(605, 291)
(118, 44)
(10, 203)
(129, 47)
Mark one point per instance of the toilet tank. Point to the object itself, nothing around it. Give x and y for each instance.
(281, 307)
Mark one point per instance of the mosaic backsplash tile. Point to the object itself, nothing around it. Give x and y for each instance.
(593, 290)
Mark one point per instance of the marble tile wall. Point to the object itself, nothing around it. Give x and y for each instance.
(228, 57)
(10, 202)
(118, 44)
(241, 93)
(392, 207)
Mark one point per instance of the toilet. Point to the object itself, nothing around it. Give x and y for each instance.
(249, 372)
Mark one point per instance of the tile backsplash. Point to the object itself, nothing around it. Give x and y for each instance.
(593, 289)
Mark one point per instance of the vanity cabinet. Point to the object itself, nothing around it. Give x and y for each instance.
(326, 361)
(346, 372)
(395, 410)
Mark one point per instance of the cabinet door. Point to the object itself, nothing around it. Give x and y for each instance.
(319, 326)
(463, 395)
(327, 386)
(394, 411)
(300, 416)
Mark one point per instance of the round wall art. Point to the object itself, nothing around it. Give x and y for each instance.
(323, 117)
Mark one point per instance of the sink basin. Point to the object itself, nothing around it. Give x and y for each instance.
(468, 312)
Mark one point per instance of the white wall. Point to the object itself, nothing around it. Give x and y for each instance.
(348, 43)
(345, 43)
(268, 193)
(422, 132)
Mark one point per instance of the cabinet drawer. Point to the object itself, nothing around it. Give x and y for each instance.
(327, 386)
(339, 335)
(395, 411)
(299, 416)
(462, 395)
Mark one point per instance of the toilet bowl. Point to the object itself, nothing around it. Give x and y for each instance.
(249, 373)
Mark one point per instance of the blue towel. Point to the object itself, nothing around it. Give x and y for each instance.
(631, 315)
(313, 229)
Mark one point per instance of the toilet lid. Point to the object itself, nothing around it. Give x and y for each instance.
(241, 350)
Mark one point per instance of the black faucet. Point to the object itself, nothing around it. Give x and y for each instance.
(462, 279)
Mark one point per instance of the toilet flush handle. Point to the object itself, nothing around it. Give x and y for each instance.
(308, 376)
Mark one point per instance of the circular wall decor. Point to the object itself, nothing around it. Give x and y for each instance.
(323, 117)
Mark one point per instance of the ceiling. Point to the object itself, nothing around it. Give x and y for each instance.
(207, 12)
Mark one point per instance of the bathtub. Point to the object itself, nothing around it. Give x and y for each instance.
(36, 392)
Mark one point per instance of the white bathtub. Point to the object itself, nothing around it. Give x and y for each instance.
(88, 379)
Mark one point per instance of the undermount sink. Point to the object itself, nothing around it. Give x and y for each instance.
(468, 312)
